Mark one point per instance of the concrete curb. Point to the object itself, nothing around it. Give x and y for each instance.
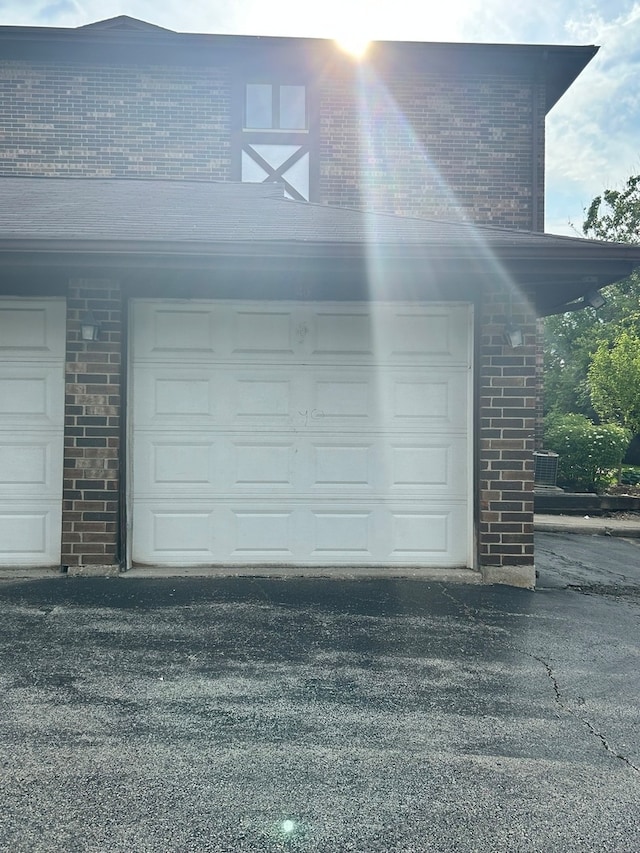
(587, 526)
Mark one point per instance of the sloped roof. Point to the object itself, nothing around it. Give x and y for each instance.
(208, 212)
(207, 219)
(124, 23)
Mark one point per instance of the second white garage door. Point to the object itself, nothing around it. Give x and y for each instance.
(301, 434)
(32, 345)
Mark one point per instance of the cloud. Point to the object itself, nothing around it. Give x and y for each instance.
(52, 12)
(593, 132)
(529, 21)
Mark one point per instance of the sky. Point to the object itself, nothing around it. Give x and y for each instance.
(593, 133)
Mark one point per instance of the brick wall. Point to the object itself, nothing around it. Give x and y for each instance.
(418, 145)
(92, 427)
(435, 146)
(105, 121)
(508, 385)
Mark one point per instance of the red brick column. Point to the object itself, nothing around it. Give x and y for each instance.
(508, 384)
(90, 511)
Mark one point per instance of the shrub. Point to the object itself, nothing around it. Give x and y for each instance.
(588, 453)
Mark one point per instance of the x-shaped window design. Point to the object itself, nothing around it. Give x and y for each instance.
(277, 169)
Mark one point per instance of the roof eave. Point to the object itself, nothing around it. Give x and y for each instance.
(551, 277)
(555, 65)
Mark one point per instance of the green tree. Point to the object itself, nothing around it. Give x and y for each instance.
(572, 339)
(615, 215)
(569, 340)
(614, 381)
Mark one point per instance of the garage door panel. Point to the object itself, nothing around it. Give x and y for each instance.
(310, 464)
(420, 533)
(24, 534)
(183, 532)
(32, 330)
(31, 397)
(216, 397)
(178, 464)
(345, 333)
(411, 467)
(262, 464)
(433, 404)
(184, 331)
(304, 533)
(168, 397)
(343, 400)
(263, 533)
(421, 335)
(176, 536)
(263, 332)
(30, 465)
(389, 334)
(340, 465)
(439, 466)
(414, 399)
(302, 396)
(30, 533)
(346, 531)
(257, 398)
(341, 333)
(217, 468)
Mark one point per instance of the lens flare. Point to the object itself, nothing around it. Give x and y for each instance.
(355, 45)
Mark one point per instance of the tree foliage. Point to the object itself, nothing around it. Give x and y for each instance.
(614, 381)
(615, 215)
(572, 339)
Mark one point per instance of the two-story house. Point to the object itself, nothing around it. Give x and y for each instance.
(264, 305)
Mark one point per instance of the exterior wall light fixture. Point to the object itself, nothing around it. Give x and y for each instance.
(595, 299)
(89, 327)
(513, 336)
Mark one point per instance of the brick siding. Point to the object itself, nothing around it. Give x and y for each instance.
(508, 386)
(105, 121)
(432, 146)
(92, 427)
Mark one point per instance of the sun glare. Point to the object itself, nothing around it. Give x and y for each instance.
(355, 45)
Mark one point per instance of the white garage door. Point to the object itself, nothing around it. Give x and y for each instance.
(32, 353)
(301, 434)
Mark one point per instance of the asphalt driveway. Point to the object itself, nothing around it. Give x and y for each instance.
(256, 715)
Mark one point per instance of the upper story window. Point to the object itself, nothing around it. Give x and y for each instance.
(275, 133)
(270, 106)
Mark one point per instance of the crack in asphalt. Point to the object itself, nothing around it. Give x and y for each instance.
(570, 568)
(563, 706)
(625, 592)
(473, 613)
(469, 611)
(553, 679)
(607, 745)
